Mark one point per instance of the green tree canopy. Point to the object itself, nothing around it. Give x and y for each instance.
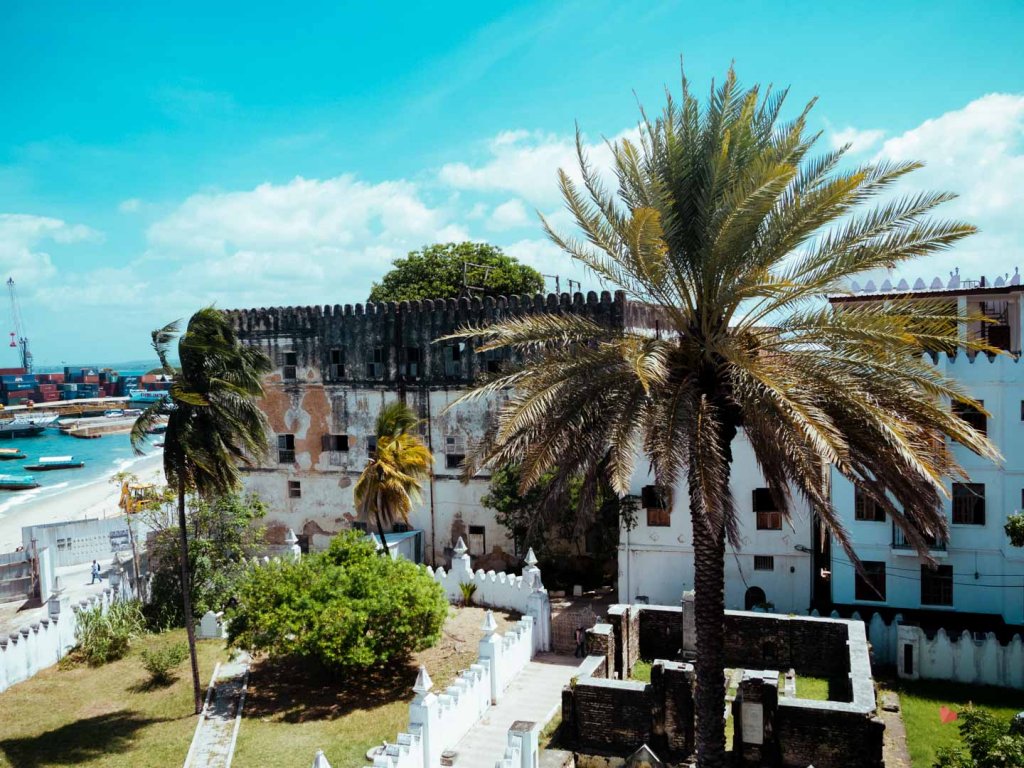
(346, 608)
(436, 271)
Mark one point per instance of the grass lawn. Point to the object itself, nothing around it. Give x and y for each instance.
(811, 687)
(921, 700)
(102, 717)
(291, 712)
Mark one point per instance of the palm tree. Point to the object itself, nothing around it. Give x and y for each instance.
(727, 228)
(391, 480)
(213, 424)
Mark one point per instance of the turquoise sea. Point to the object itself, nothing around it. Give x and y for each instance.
(102, 457)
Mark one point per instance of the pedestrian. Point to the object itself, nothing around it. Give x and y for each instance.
(580, 638)
(95, 572)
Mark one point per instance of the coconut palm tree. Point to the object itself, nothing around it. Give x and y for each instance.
(214, 424)
(732, 233)
(391, 480)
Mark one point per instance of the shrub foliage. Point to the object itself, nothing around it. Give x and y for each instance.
(161, 662)
(106, 636)
(346, 608)
(987, 742)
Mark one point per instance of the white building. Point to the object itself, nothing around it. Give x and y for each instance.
(772, 565)
(979, 572)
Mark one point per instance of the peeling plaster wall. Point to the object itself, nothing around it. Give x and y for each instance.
(335, 367)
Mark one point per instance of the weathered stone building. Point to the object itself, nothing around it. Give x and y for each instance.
(334, 368)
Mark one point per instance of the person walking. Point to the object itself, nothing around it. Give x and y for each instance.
(580, 638)
(95, 572)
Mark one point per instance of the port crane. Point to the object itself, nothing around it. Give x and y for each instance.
(19, 339)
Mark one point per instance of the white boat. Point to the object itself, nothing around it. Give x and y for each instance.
(49, 463)
(26, 425)
(146, 396)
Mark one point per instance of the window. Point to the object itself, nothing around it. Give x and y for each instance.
(769, 518)
(477, 540)
(286, 449)
(375, 363)
(867, 509)
(336, 369)
(871, 584)
(972, 415)
(493, 359)
(411, 366)
(371, 446)
(294, 489)
(937, 585)
(453, 360)
(1022, 410)
(969, 503)
(764, 563)
(334, 443)
(454, 451)
(657, 500)
(289, 365)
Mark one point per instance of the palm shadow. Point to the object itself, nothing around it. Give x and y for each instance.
(295, 692)
(78, 742)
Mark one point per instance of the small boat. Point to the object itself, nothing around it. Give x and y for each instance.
(47, 463)
(8, 454)
(26, 426)
(17, 483)
(85, 435)
(114, 413)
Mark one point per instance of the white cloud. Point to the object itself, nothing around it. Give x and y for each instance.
(22, 239)
(526, 164)
(131, 205)
(509, 215)
(978, 153)
(859, 140)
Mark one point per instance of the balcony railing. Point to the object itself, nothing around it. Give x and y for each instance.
(899, 541)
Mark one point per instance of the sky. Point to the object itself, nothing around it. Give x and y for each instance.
(157, 158)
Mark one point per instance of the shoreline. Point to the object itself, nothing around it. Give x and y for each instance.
(97, 498)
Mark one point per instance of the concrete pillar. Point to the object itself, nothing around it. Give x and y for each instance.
(461, 566)
(294, 550)
(490, 650)
(531, 573)
(601, 642)
(538, 605)
(689, 623)
(526, 735)
(423, 711)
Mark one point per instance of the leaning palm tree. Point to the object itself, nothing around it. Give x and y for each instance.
(391, 480)
(732, 234)
(214, 424)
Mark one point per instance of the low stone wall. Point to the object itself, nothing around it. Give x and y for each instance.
(963, 659)
(615, 717)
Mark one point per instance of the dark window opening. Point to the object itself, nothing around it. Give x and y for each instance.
(493, 360)
(294, 489)
(657, 500)
(375, 363)
(937, 585)
(289, 366)
(411, 365)
(969, 503)
(764, 563)
(973, 415)
(477, 540)
(286, 449)
(871, 584)
(769, 518)
(337, 364)
(867, 509)
(454, 451)
(908, 659)
(371, 446)
(453, 360)
(334, 443)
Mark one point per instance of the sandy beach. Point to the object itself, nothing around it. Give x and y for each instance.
(96, 499)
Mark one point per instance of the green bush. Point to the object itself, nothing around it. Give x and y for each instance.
(1015, 529)
(347, 607)
(160, 662)
(990, 743)
(468, 589)
(104, 637)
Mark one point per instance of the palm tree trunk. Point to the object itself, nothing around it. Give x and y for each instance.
(380, 528)
(186, 597)
(709, 607)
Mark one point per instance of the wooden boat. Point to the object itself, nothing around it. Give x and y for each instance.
(49, 463)
(9, 454)
(17, 483)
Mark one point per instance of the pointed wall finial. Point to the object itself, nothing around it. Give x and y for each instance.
(290, 538)
(320, 761)
(490, 626)
(423, 682)
(531, 559)
(460, 547)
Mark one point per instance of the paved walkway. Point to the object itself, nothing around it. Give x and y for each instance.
(534, 695)
(213, 744)
(894, 749)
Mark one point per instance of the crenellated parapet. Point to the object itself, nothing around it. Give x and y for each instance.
(937, 284)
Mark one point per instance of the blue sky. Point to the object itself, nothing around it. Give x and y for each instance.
(156, 158)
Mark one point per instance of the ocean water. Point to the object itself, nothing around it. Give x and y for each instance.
(102, 457)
